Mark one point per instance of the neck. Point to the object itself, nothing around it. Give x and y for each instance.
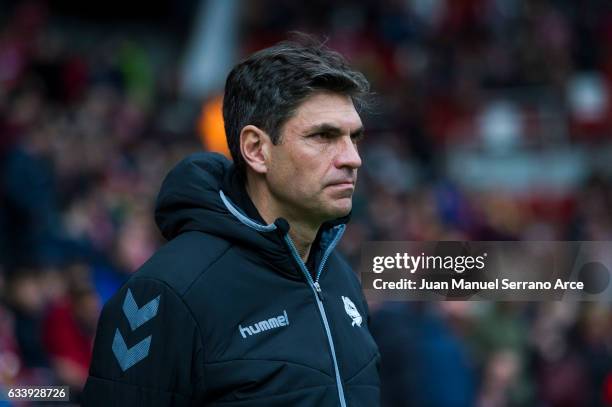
(303, 236)
(301, 231)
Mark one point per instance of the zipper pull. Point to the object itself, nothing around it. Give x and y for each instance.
(318, 290)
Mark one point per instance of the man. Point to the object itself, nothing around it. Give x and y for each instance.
(248, 304)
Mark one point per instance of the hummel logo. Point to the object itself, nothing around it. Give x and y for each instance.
(136, 317)
(267, 324)
(129, 357)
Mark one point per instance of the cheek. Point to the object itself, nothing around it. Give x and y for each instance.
(298, 183)
(281, 171)
(300, 173)
(283, 177)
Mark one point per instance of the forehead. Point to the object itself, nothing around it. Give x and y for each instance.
(325, 108)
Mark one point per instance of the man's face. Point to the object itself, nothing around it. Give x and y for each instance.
(313, 169)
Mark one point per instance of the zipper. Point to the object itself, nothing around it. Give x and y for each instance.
(313, 284)
(328, 251)
(317, 292)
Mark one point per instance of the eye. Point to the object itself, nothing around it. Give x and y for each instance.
(322, 135)
(356, 137)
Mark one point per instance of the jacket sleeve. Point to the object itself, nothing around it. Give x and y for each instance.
(147, 351)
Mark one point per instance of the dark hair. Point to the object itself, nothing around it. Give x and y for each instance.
(266, 88)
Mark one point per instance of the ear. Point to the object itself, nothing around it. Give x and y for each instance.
(255, 146)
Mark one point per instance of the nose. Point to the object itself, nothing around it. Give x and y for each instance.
(348, 156)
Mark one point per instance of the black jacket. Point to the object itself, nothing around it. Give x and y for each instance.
(227, 314)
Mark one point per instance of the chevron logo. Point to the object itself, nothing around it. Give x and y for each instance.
(129, 357)
(136, 317)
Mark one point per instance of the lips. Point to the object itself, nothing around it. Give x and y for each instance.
(342, 183)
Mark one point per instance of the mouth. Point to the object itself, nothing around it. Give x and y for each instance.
(343, 184)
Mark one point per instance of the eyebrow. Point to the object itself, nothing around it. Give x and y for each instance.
(330, 128)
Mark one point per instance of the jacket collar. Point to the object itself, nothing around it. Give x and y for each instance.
(192, 198)
(327, 238)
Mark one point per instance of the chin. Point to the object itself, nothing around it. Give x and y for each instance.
(340, 209)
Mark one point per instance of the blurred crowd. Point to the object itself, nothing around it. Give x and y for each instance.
(90, 123)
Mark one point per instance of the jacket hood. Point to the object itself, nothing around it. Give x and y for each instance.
(191, 199)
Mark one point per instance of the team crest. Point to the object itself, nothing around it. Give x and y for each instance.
(352, 312)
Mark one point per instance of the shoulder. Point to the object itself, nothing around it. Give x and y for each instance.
(148, 348)
(183, 260)
(149, 326)
(341, 265)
